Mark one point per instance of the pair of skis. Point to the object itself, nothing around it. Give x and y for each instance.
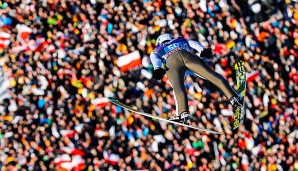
(239, 112)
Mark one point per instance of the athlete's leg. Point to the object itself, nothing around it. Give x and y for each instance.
(198, 65)
(176, 72)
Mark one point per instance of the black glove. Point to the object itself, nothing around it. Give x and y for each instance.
(207, 53)
(159, 73)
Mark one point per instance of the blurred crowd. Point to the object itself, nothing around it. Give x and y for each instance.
(58, 63)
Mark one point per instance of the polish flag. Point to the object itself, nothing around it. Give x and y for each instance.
(4, 40)
(73, 151)
(15, 50)
(129, 61)
(62, 159)
(100, 102)
(68, 133)
(78, 163)
(23, 32)
(244, 162)
(252, 76)
(38, 44)
(112, 159)
(50, 48)
(75, 163)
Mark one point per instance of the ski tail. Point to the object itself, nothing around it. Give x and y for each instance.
(240, 78)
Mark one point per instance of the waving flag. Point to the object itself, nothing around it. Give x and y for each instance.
(129, 61)
(4, 40)
(64, 158)
(100, 102)
(68, 163)
(252, 76)
(37, 45)
(68, 133)
(111, 159)
(23, 32)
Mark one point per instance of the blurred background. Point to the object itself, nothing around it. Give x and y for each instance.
(61, 59)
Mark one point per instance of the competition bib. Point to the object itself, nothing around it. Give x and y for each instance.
(165, 50)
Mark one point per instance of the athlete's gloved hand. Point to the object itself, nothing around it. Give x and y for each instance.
(159, 73)
(207, 53)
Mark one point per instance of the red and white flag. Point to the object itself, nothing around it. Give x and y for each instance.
(37, 45)
(23, 32)
(50, 48)
(129, 61)
(252, 76)
(100, 102)
(23, 37)
(112, 159)
(78, 163)
(62, 159)
(15, 50)
(74, 163)
(73, 151)
(4, 40)
(68, 133)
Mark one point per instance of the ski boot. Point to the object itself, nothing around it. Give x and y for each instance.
(182, 118)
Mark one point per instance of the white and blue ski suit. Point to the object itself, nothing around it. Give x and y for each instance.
(178, 57)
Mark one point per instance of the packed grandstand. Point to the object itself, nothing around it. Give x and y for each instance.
(61, 59)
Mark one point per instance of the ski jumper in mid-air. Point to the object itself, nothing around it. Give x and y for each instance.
(173, 57)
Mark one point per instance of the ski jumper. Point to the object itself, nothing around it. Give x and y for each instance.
(178, 58)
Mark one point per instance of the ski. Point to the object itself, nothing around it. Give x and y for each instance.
(241, 89)
(116, 102)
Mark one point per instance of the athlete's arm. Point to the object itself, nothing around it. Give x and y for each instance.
(158, 72)
(155, 60)
(196, 46)
(202, 51)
